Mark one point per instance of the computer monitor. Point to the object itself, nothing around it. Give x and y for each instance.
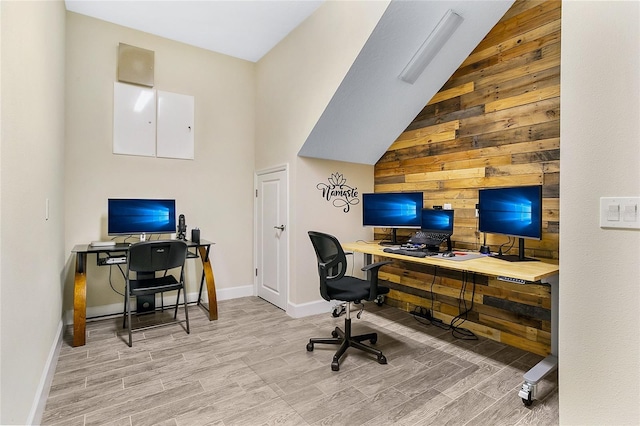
(128, 216)
(392, 210)
(515, 211)
(437, 221)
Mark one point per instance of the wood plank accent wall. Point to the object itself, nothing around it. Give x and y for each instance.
(495, 123)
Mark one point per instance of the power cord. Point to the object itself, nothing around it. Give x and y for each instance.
(424, 316)
(111, 282)
(509, 241)
(457, 331)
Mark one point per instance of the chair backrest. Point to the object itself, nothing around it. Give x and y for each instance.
(149, 256)
(332, 262)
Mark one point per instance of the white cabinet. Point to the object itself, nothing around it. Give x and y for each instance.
(175, 125)
(143, 127)
(134, 120)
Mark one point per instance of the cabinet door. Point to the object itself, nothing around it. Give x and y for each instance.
(175, 134)
(134, 120)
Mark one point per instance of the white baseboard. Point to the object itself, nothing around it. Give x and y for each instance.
(42, 393)
(310, 308)
(235, 292)
(116, 308)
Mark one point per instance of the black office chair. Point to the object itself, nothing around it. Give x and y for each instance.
(335, 285)
(146, 260)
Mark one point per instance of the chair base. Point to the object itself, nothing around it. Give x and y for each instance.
(346, 340)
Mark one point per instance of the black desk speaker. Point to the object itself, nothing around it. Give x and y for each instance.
(195, 235)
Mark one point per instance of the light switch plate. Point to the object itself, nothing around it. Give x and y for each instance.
(620, 212)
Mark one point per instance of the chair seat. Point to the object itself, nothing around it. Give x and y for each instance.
(154, 285)
(351, 289)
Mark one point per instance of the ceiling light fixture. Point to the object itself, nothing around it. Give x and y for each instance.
(431, 46)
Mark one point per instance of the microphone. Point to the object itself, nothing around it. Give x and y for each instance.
(182, 228)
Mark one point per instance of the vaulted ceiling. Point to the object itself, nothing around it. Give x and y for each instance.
(372, 105)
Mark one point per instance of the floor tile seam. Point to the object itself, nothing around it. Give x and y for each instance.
(286, 403)
(410, 398)
(496, 402)
(111, 371)
(84, 387)
(173, 401)
(98, 397)
(489, 396)
(136, 400)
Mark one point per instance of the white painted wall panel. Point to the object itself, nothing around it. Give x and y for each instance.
(175, 130)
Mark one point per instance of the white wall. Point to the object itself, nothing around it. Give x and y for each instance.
(295, 82)
(31, 170)
(599, 367)
(214, 191)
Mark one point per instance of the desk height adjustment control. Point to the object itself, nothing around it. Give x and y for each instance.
(511, 280)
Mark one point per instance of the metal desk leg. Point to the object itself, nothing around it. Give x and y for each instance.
(207, 274)
(80, 300)
(550, 363)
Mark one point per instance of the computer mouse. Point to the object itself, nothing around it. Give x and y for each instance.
(448, 254)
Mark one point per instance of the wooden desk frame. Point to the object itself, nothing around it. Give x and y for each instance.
(527, 271)
(80, 283)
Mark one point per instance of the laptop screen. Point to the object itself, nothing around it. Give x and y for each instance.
(440, 221)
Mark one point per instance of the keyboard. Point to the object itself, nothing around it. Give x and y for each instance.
(405, 252)
(429, 238)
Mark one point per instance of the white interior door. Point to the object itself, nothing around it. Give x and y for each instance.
(272, 255)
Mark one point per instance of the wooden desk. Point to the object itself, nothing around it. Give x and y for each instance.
(486, 265)
(201, 250)
(526, 271)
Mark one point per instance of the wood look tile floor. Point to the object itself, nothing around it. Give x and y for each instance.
(251, 367)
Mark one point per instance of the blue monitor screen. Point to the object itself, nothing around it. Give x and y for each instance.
(392, 209)
(437, 221)
(141, 216)
(513, 211)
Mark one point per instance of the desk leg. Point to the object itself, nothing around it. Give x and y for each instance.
(207, 271)
(80, 300)
(550, 363)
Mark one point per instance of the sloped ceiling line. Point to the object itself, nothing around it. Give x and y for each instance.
(372, 106)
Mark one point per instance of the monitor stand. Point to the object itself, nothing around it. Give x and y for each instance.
(516, 257)
(436, 249)
(394, 239)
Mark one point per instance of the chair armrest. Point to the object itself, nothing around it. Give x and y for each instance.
(373, 277)
(376, 265)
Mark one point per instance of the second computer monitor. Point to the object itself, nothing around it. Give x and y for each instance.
(440, 221)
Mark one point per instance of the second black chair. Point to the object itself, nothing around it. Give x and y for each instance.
(335, 285)
(144, 260)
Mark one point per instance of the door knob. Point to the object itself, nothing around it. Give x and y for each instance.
(281, 227)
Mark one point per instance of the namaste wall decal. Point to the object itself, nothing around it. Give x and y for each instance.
(338, 192)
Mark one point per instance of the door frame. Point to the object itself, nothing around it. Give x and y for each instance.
(280, 168)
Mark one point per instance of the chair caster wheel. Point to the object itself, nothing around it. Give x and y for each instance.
(382, 359)
(338, 310)
(334, 334)
(527, 401)
(373, 340)
(309, 347)
(335, 366)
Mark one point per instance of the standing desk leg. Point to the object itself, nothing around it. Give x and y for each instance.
(207, 273)
(80, 300)
(550, 363)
